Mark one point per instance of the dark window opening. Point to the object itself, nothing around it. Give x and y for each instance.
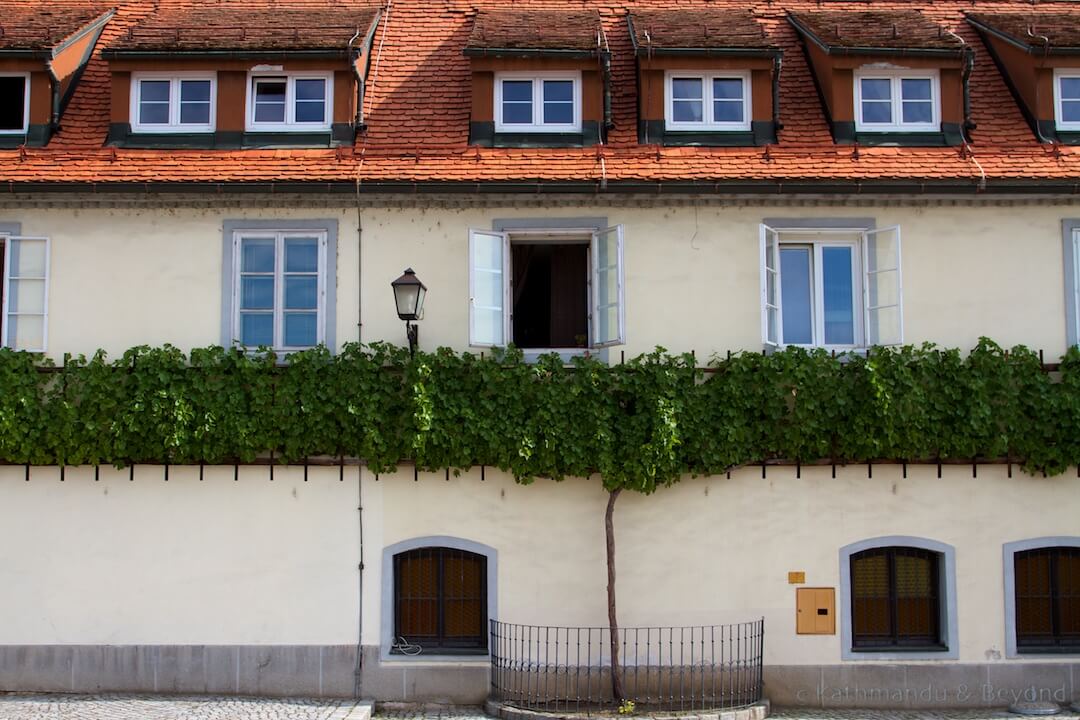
(550, 295)
(1047, 599)
(896, 599)
(12, 103)
(440, 599)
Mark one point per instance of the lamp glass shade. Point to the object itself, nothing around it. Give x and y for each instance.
(409, 295)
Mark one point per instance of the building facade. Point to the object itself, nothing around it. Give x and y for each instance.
(569, 177)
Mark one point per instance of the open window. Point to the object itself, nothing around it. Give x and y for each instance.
(14, 102)
(24, 291)
(547, 290)
(834, 288)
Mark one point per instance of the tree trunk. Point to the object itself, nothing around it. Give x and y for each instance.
(613, 623)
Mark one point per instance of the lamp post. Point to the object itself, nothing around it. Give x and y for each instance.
(409, 295)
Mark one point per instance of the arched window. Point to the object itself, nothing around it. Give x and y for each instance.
(896, 599)
(1047, 599)
(440, 599)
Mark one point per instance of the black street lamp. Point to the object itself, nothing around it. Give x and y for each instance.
(409, 295)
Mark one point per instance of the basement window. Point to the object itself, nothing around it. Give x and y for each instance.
(14, 103)
(547, 290)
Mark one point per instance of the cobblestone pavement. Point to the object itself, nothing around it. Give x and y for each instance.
(150, 707)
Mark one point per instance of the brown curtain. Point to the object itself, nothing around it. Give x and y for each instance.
(569, 295)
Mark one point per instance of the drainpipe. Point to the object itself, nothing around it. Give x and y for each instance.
(605, 63)
(359, 78)
(969, 66)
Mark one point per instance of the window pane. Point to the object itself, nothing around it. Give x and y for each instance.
(256, 329)
(12, 103)
(257, 255)
(310, 112)
(257, 293)
(300, 329)
(1070, 88)
(517, 113)
(154, 91)
(517, 90)
(301, 293)
(876, 112)
(310, 89)
(195, 91)
(558, 113)
(686, 89)
(27, 258)
(795, 295)
(876, 89)
(154, 113)
(1070, 111)
(687, 111)
(839, 302)
(915, 88)
(26, 332)
(27, 296)
(270, 101)
(301, 255)
(197, 113)
(727, 88)
(918, 112)
(727, 111)
(558, 90)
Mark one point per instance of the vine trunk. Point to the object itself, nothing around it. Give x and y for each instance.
(613, 622)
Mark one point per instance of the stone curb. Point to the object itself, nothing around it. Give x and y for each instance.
(354, 711)
(758, 711)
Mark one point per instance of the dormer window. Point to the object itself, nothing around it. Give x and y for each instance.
(14, 103)
(707, 101)
(1067, 100)
(896, 102)
(527, 102)
(171, 103)
(290, 103)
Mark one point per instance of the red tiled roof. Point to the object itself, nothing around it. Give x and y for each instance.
(1045, 30)
(697, 29)
(535, 30)
(246, 26)
(417, 107)
(42, 26)
(887, 30)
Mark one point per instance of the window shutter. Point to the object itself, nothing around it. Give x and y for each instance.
(489, 257)
(770, 287)
(883, 291)
(25, 293)
(608, 326)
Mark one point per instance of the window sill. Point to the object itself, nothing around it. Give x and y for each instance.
(434, 658)
(900, 654)
(484, 135)
(657, 132)
(845, 133)
(1052, 650)
(121, 135)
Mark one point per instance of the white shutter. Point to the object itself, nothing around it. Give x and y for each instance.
(608, 326)
(883, 291)
(489, 262)
(25, 293)
(771, 317)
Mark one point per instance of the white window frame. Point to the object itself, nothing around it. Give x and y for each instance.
(26, 103)
(538, 102)
(1059, 74)
(174, 125)
(585, 236)
(5, 314)
(861, 271)
(707, 123)
(290, 124)
(279, 237)
(895, 76)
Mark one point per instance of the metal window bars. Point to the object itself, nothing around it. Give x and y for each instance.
(701, 667)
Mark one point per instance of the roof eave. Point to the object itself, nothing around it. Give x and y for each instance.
(650, 51)
(840, 50)
(529, 52)
(20, 53)
(321, 54)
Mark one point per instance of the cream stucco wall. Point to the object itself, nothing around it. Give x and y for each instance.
(124, 277)
(258, 562)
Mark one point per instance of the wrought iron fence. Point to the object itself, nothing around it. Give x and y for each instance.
(702, 667)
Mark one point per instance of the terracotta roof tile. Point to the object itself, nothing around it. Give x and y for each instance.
(1044, 30)
(42, 26)
(528, 29)
(697, 29)
(417, 106)
(246, 26)
(892, 30)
